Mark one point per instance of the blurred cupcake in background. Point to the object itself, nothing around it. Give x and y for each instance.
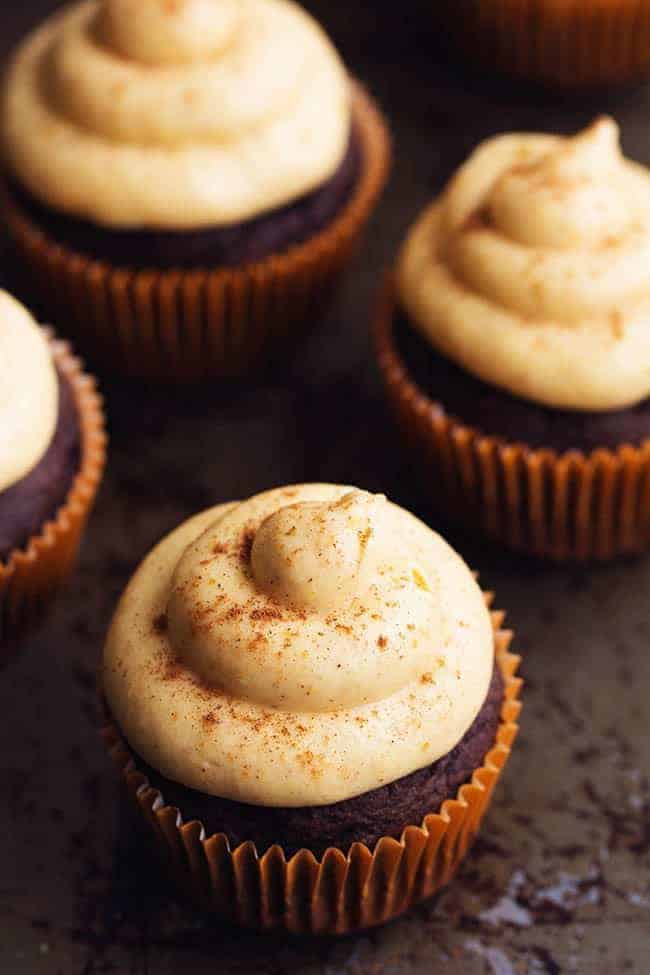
(185, 181)
(52, 449)
(309, 704)
(515, 343)
(562, 43)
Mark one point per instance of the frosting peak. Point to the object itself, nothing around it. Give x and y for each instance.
(204, 112)
(168, 32)
(530, 270)
(568, 198)
(29, 392)
(315, 554)
(336, 642)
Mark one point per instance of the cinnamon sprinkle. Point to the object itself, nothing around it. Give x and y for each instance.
(266, 613)
(246, 545)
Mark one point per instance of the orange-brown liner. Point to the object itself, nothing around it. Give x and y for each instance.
(561, 505)
(562, 43)
(188, 325)
(32, 576)
(342, 892)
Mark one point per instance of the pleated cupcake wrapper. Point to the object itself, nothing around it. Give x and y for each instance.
(563, 506)
(187, 325)
(343, 891)
(31, 577)
(565, 43)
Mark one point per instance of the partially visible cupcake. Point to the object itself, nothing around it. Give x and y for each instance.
(562, 43)
(186, 180)
(51, 461)
(310, 705)
(515, 344)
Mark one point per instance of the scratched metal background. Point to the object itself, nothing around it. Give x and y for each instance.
(560, 880)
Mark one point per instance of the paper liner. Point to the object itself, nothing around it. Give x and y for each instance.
(344, 891)
(563, 506)
(564, 43)
(31, 577)
(188, 325)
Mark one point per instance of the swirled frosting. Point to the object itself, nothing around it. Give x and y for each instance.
(531, 270)
(29, 392)
(299, 648)
(175, 113)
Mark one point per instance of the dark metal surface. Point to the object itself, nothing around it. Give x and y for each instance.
(560, 880)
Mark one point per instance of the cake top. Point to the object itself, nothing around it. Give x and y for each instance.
(299, 648)
(29, 392)
(175, 114)
(531, 269)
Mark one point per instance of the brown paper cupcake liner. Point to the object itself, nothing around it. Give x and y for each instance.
(344, 891)
(564, 43)
(560, 505)
(32, 576)
(189, 325)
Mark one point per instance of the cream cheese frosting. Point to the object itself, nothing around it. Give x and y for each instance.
(175, 113)
(531, 269)
(29, 392)
(299, 648)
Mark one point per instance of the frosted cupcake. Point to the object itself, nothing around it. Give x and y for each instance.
(186, 179)
(51, 461)
(306, 689)
(516, 344)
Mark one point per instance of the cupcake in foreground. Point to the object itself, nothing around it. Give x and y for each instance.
(310, 704)
(515, 346)
(185, 180)
(51, 461)
(562, 43)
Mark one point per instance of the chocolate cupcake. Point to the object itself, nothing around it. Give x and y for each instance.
(185, 181)
(514, 343)
(51, 460)
(561, 43)
(310, 705)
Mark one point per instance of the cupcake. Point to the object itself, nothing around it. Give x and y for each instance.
(51, 460)
(185, 181)
(310, 704)
(515, 344)
(562, 43)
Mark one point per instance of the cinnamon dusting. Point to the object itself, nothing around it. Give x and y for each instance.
(246, 546)
(265, 614)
